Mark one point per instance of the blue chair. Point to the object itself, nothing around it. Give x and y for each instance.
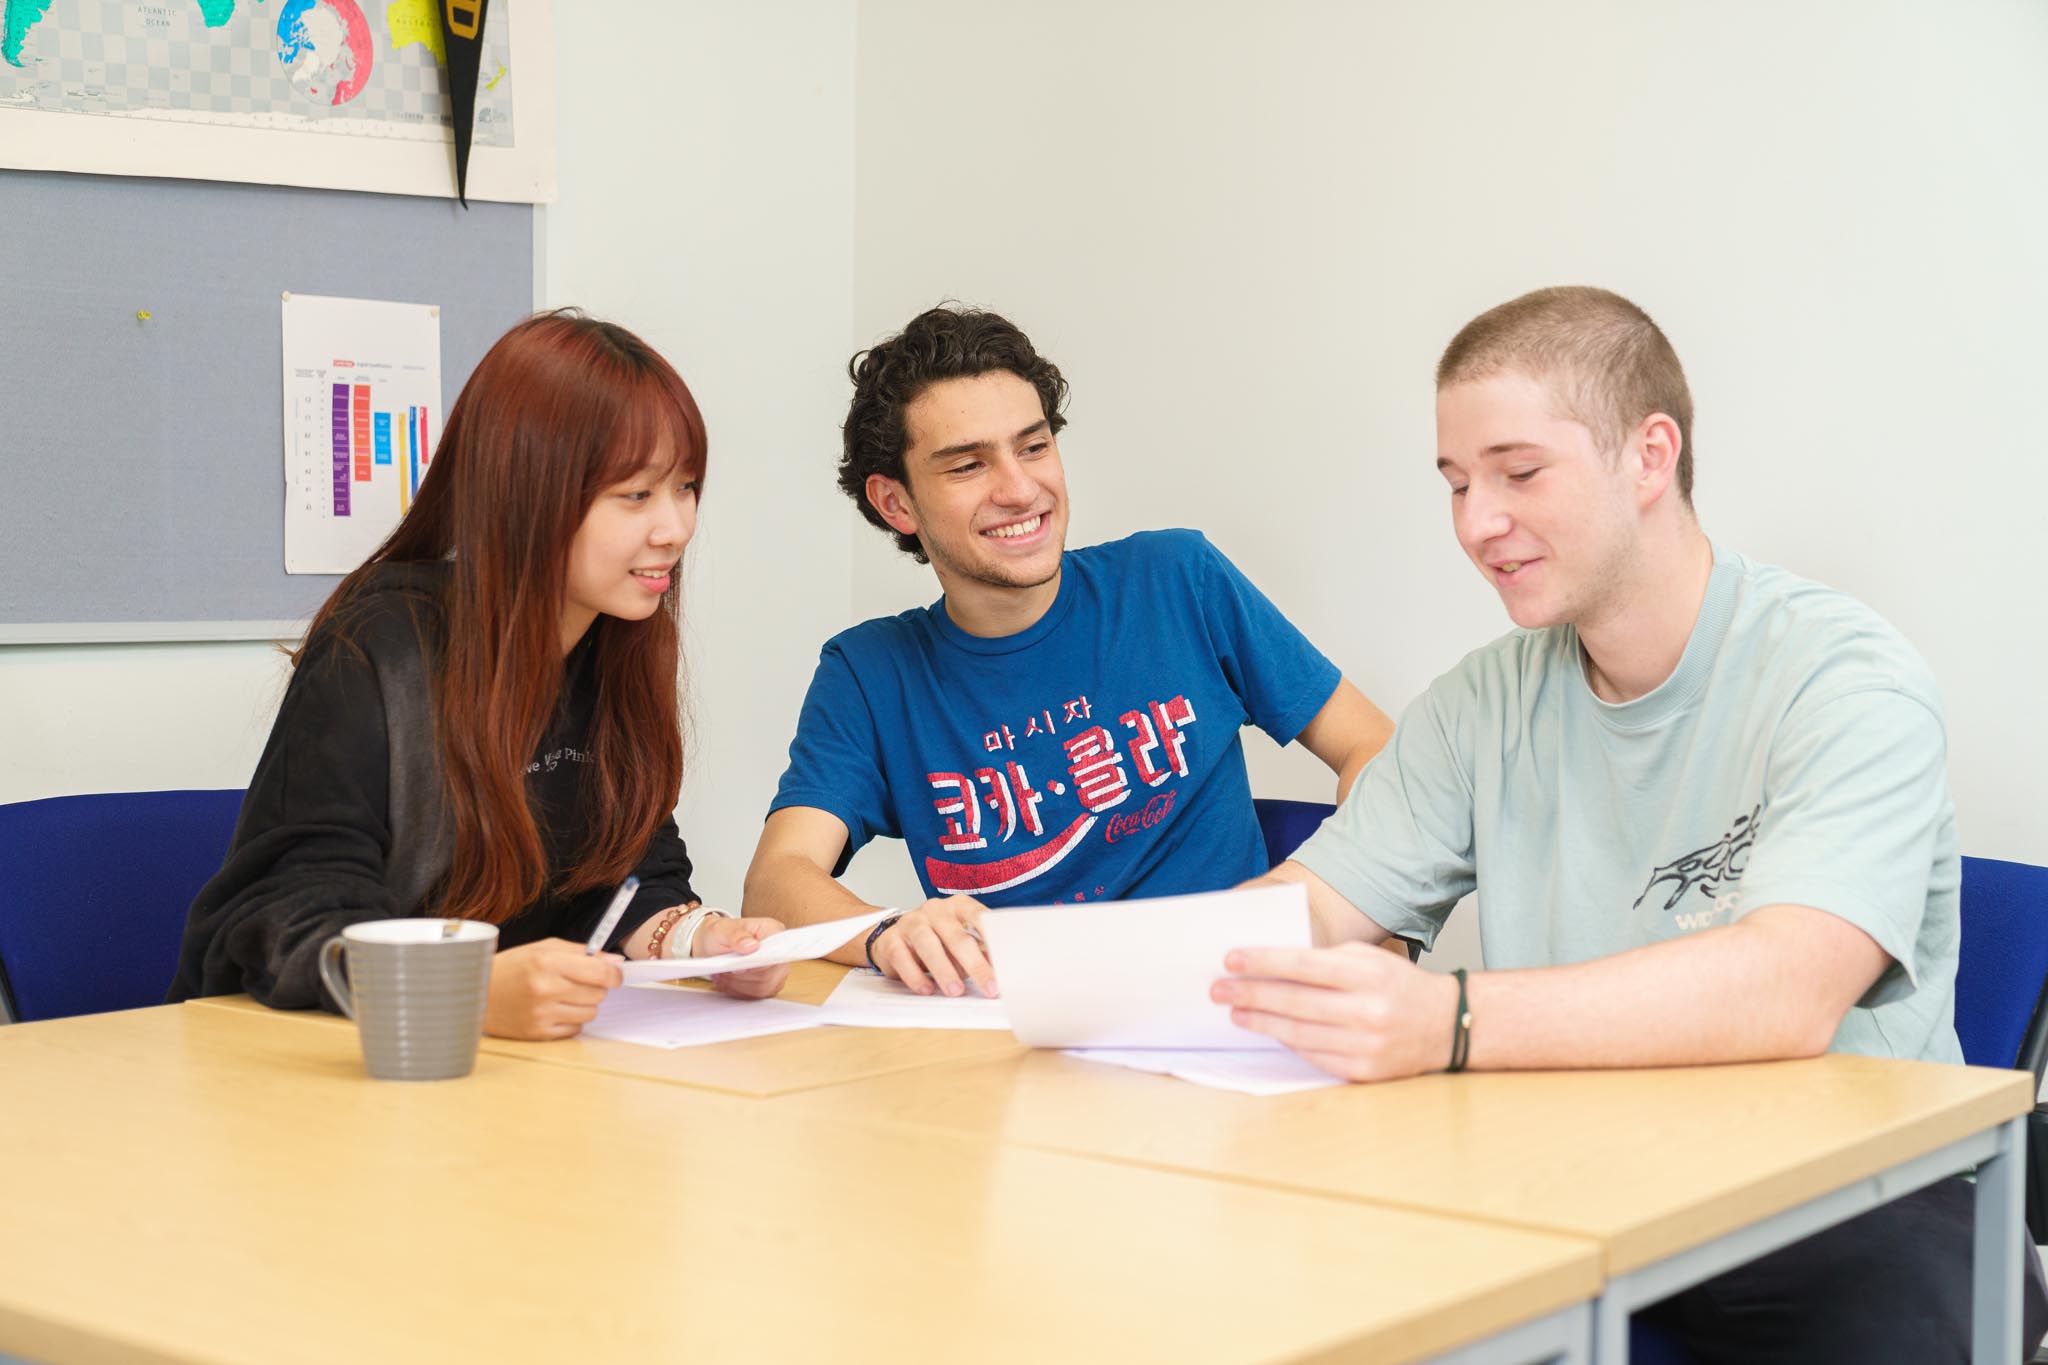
(94, 893)
(2002, 964)
(2001, 1020)
(1287, 823)
(2002, 993)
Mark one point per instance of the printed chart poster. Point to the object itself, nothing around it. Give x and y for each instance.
(362, 409)
(335, 94)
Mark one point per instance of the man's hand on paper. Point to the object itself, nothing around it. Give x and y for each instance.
(938, 947)
(1358, 1013)
(717, 936)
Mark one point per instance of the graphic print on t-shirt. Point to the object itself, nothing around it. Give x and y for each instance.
(1711, 871)
(1030, 825)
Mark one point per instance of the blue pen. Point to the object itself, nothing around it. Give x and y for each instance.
(620, 900)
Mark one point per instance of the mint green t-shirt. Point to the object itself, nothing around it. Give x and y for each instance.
(1797, 755)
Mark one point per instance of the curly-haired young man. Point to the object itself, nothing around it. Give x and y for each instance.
(1062, 725)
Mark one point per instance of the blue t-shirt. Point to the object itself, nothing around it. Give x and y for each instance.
(1094, 756)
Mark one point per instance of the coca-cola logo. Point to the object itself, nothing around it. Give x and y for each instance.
(1123, 826)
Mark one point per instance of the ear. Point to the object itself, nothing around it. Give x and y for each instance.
(892, 500)
(1657, 444)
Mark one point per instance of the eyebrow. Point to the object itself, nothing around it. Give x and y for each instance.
(970, 447)
(1504, 448)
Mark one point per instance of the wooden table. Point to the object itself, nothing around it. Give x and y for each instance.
(778, 1064)
(207, 1183)
(1674, 1175)
(1677, 1174)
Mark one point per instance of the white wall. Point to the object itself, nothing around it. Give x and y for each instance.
(88, 718)
(716, 218)
(1246, 231)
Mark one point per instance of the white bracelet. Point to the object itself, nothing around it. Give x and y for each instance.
(685, 933)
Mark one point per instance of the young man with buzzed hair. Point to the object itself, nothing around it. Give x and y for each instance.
(1062, 725)
(1703, 802)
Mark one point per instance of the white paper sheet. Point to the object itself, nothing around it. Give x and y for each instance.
(1136, 974)
(865, 999)
(667, 1016)
(1248, 1073)
(791, 945)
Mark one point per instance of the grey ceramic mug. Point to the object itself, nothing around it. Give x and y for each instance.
(416, 989)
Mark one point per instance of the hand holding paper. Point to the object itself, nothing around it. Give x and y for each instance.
(718, 936)
(1357, 1012)
(1137, 974)
(938, 947)
(791, 945)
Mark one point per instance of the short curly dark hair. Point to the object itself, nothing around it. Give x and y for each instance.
(940, 343)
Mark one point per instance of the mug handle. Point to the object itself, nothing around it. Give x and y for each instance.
(330, 954)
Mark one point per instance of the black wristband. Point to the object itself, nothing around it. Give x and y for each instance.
(875, 933)
(1461, 1040)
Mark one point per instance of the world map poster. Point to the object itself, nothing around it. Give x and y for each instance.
(346, 94)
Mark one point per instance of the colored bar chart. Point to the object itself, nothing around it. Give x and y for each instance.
(341, 450)
(408, 482)
(365, 437)
(407, 445)
(361, 432)
(358, 376)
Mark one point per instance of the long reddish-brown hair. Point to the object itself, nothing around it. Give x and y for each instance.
(561, 408)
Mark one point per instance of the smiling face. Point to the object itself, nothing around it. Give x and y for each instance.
(1549, 518)
(624, 554)
(986, 495)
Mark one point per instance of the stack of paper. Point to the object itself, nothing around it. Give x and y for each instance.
(668, 1016)
(1249, 1073)
(865, 999)
(1127, 984)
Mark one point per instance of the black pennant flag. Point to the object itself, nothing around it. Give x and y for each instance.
(462, 26)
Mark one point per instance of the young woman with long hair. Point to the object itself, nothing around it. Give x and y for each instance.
(483, 721)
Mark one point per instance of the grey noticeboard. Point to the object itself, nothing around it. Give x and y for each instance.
(142, 462)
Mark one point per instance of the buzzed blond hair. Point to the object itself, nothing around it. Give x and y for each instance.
(1606, 362)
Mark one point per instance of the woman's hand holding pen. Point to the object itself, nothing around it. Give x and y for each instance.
(549, 989)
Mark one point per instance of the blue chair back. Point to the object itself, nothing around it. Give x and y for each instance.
(1287, 823)
(2002, 965)
(93, 895)
(1652, 1343)
(2001, 979)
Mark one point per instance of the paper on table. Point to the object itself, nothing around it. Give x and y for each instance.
(667, 1016)
(791, 945)
(1136, 974)
(1249, 1073)
(865, 999)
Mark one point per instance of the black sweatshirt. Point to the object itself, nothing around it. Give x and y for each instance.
(343, 821)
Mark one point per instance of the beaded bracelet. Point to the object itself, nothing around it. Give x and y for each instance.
(668, 922)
